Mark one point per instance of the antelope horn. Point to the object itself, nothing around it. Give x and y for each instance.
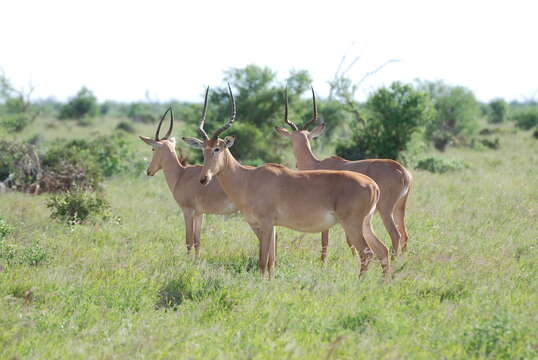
(204, 112)
(290, 123)
(160, 123)
(314, 111)
(169, 132)
(232, 117)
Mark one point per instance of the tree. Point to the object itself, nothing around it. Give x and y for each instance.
(17, 110)
(259, 97)
(498, 111)
(457, 114)
(82, 105)
(393, 115)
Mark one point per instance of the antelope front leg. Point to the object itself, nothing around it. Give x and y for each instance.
(198, 219)
(188, 215)
(324, 244)
(266, 237)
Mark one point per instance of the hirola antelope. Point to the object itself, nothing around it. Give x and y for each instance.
(193, 198)
(309, 201)
(393, 179)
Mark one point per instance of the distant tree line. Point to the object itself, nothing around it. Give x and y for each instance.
(384, 126)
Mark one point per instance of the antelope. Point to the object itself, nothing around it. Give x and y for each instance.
(308, 201)
(194, 199)
(393, 179)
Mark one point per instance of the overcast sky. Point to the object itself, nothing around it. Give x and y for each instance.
(172, 49)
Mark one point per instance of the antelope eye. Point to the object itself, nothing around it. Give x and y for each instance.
(216, 150)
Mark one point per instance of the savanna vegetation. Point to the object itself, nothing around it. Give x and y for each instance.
(93, 262)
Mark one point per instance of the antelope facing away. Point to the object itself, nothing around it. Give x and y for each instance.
(307, 201)
(393, 179)
(194, 199)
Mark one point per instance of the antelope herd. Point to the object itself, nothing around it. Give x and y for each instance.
(320, 194)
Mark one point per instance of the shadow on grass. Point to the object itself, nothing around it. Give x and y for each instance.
(189, 285)
(237, 264)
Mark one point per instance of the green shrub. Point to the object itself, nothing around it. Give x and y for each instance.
(526, 118)
(105, 155)
(19, 163)
(8, 252)
(535, 134)
(74, 163)
(488, 131)
(76, 207)
(82, 105)
(358, 323)
(492, 144)
(125, 126)
(15, 122)
(252, 144)
(492, 338)
(456, 119)
(5, 229)
(497, 111)
(440, 166)
(142, 112)
(394, 114)
(34, 255)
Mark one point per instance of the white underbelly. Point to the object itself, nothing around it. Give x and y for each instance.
(315, 223)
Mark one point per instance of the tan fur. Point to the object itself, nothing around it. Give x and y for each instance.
(193, 198)
(393, 179)
(307, 201)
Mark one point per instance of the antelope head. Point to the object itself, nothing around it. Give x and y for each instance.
(215, 150)
(301, 137)
(160, 145)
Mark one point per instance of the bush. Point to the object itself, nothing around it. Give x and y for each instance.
(125, 126)
(142, 112)
(456, 119)
(535, 134)
(71, 165)
(5, 229)
(34, 255)
(104, 156)
(492, 144)
(526, 118)
(252, 144)
(76, 207)
(66, 164)
(440, 166)
(394, 114)
(82, 105)
(16, 110)
(19, 165)
(15, 122)
(497, 111)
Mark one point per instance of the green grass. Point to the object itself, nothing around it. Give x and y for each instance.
(467, 288)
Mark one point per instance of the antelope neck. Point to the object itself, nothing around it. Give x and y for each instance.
(172, 168)
(305, 158)
(231, 175)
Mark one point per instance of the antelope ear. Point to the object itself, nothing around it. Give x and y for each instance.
(229, 141)
(282, 131)
(193, 142)
(318, 130)
(147, 140)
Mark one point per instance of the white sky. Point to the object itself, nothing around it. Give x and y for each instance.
(120, 49)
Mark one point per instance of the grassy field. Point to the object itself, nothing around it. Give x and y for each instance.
(468, 287)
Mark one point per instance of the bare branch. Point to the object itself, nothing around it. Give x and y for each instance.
(370, 73)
